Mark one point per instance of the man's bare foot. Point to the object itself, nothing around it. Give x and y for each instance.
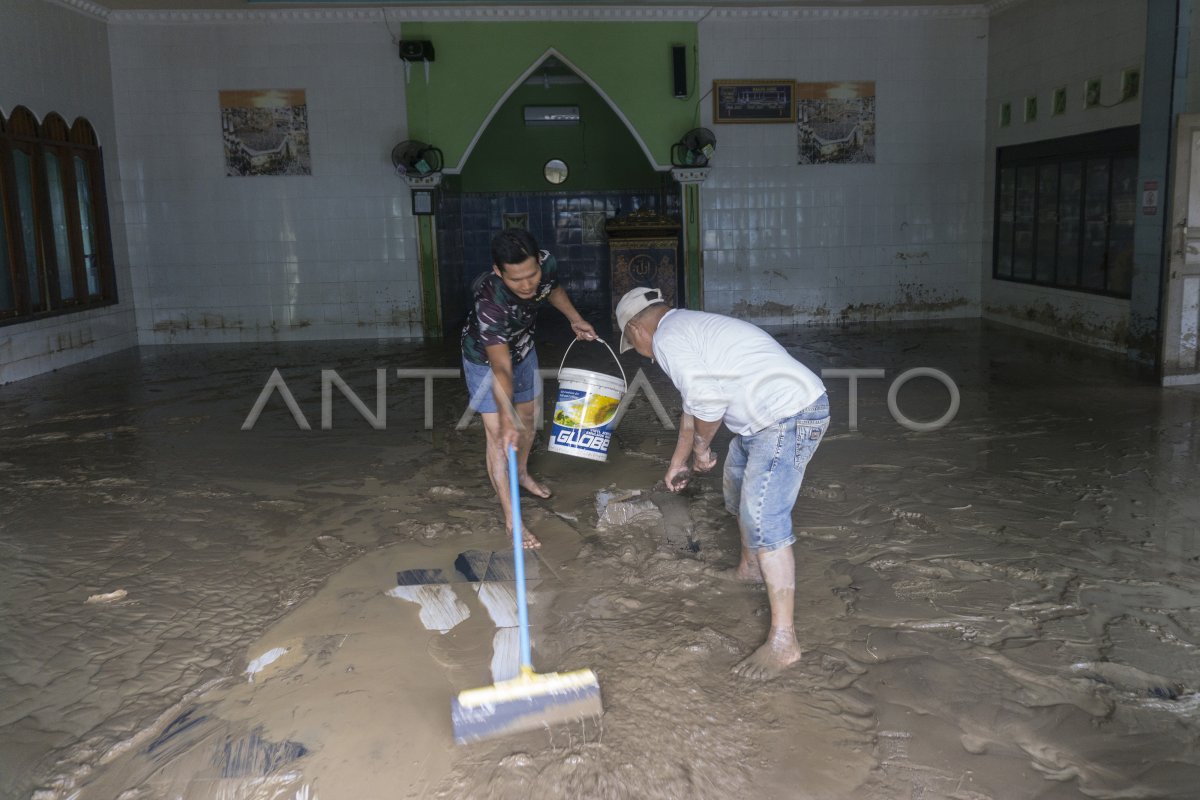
(532, 486)
(778, 653)
(742, 573)
(530, 541)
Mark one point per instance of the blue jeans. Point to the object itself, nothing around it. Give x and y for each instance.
(763, 473)
(479, 383)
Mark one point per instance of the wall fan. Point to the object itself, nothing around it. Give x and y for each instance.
(415, 158)
(694, 149)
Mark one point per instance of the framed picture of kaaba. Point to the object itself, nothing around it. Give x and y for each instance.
(265, 132)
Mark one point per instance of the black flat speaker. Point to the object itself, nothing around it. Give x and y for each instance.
(679, 70)
(416, 50)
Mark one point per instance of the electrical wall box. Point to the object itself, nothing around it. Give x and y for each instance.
(417, 50)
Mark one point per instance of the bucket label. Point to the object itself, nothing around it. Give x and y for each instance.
(594, 440)
(577, 409)
(581, 423)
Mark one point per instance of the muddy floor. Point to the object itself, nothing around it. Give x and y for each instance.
(201, 601)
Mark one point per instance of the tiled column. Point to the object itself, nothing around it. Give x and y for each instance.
(431, 306)
(690, 179)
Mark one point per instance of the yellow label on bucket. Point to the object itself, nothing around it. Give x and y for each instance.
(586, 412)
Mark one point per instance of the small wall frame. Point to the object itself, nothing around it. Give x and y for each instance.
(1058, 102)
(754, 101)
(423, 202)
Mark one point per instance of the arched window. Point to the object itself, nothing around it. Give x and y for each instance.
(8, 292)
(55, 245)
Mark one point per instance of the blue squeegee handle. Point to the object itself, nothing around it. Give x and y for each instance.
(514, 493)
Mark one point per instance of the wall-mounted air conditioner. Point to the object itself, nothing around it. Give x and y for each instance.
(551, 115)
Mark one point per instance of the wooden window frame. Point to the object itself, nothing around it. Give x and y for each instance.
(20, 132)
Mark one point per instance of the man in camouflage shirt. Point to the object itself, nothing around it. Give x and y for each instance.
(499, 361)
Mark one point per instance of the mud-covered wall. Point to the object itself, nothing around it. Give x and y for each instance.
(55, 59)
(1034, 48)
(219, 258)
(208, 257)
(897, 239)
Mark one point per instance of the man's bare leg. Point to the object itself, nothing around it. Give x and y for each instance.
(781, 649)
(747, 570)
(497, 467)
(525, 413)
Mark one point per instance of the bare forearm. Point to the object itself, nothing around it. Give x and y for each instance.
(580, 326)
(683, 446)
(559, 299)
(703, 434)
(502, 389)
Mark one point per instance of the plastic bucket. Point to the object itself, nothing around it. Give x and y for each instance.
(584, 413)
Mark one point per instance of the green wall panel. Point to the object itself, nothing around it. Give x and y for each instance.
(600, 153)
(477, 62)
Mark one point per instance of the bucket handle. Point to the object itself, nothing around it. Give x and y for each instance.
(610, 350)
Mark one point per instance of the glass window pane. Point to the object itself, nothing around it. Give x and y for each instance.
(1004, 224)
(8, 298)
(58, 219)
(1095, 223)
(1120, 229)
(91, 265)
(1023, 225)
(1070, 209)
(1047, 223)
(23, 167)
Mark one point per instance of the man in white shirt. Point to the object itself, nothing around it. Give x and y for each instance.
(730, 371)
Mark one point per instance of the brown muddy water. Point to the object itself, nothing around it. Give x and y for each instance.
(1006, 607)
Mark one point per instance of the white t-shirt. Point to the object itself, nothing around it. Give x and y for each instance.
(729, 369)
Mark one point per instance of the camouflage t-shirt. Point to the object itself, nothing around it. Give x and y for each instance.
(500, 317)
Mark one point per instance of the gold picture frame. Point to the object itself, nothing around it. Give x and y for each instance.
(754, 101)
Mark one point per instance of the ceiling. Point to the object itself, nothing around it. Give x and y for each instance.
(200, 5)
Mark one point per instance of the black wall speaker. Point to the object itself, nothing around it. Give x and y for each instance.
(679, 70)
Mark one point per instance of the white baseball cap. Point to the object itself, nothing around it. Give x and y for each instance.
(633, 303)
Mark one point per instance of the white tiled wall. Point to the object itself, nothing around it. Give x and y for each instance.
(1034, 48)
(1193, 90)
(217, 258)
(56, 59)
(898, 239)
(207, 257)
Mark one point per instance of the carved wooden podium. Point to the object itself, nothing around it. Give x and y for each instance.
(644, 251)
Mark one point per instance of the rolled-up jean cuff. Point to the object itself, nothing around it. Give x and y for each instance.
(768, 548)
